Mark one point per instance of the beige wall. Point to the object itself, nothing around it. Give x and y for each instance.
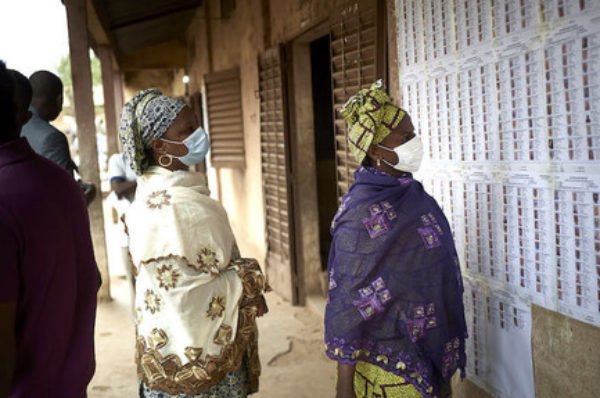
(236, 42)
(566, 356)
(290, 18)
(166, 80)
(217, 44)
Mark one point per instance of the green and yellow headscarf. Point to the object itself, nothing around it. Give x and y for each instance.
(371, 117)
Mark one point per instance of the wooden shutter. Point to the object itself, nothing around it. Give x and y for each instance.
(275, 152)
(225, 123)
(358, 46)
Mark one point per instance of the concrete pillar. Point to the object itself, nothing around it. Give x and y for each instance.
(86, 129)
(118, 91)
(108, 88)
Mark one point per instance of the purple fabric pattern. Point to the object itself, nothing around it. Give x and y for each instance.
(397, 301)
(373, 298)
(380, 220)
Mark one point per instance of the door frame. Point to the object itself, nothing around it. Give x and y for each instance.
(307, 275)
(310, 277)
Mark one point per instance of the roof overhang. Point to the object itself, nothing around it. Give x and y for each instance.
(145, 34)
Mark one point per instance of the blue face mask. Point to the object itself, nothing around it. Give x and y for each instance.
(197, 145)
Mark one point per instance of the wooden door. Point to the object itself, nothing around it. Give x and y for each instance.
(276, 170)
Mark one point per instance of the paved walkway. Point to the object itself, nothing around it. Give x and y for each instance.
(291, 350)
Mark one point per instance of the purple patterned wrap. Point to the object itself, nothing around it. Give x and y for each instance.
(397, 301)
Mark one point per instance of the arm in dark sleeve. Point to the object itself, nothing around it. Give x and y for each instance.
(56, 148)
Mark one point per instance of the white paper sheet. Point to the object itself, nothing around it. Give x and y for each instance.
(506, 97)
(499, 347)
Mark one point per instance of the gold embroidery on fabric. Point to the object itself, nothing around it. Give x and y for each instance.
(216, 307)
(124, 225)
(223, 335)
(167, 276)
(207, 262)
(193, 375)
(161, 259)
(252, 278)
(152, 367)
(158, 199)
(138, 315)
(152, 301)
(159, 338)
(167, 373)
(192, 353)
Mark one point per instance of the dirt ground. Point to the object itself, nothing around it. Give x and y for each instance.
(291, 350)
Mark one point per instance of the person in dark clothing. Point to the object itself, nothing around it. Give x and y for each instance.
(45, 139)
(48, 274)
(23, 95)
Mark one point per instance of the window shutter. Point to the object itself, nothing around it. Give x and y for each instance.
(357, 59)
(275, 152)
(225, 122)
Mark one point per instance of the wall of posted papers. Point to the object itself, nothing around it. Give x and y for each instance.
(506, 97)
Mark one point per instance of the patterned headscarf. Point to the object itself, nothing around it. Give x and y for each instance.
(147, 116)
(371, 117)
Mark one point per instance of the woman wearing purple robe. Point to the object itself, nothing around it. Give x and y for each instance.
(394, 320)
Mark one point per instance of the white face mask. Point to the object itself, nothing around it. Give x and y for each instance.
(410, 155)
(197, 145)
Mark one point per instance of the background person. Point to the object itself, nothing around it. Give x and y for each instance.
(48, 275)
(394, 321)
(45, 139)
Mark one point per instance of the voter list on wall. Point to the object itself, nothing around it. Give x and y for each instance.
(506, 97)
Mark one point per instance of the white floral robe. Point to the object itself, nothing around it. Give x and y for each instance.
(195, 304)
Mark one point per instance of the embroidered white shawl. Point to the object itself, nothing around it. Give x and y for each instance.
(189, 292)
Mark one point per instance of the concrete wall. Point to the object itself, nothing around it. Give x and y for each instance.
(292, 17)
(217, 44)
(235, 42)
(169, 81)
(566, 356)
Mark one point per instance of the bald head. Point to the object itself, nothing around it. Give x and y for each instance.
(47, 94)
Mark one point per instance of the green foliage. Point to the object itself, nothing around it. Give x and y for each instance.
(64, 72)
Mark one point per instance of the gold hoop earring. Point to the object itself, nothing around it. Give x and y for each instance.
(170, 160)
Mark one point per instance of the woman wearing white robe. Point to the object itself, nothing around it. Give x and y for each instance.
(196, 299)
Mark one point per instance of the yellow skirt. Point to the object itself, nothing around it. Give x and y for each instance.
(371, 381)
